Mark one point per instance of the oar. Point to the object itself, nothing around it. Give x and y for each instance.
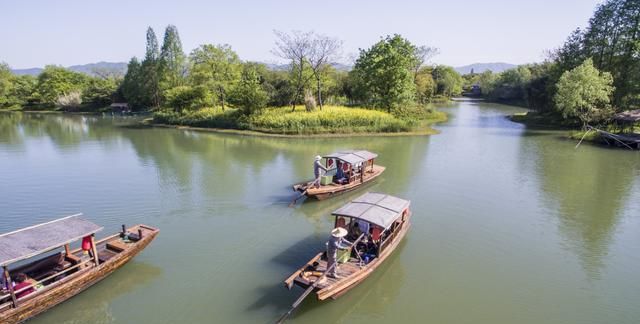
(304, 295)
(296, 199)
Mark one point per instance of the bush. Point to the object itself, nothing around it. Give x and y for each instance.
(330, 119)
(206, 117)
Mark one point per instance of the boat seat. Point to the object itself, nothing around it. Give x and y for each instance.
(105, 255)
(116, 246)
(74, 259)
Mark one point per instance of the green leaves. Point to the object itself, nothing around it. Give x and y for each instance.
(583, 92)
(384, 72)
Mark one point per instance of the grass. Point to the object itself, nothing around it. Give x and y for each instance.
(329, 120)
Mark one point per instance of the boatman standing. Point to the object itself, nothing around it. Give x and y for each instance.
(336, 240)
(317, 166)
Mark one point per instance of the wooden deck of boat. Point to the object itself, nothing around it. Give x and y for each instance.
(333, 188)
(344, 271)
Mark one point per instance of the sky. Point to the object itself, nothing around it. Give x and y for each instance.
(36, 33)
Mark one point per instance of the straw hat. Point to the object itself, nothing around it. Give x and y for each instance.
(339, 232)
(318, 157)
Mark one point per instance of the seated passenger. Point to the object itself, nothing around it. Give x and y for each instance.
(21, 283)
(340, 177)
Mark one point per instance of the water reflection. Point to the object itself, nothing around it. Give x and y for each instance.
(95, 304)
(587, 193)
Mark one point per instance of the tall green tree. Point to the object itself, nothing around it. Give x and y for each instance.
(249, 94)
(584, 93)
(131, 87)
(385, 72)
(218, 68)
(172, 61)
(150, 70)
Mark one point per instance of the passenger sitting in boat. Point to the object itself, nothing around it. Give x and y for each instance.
(340, 177)
(22, 283)
(317, 167)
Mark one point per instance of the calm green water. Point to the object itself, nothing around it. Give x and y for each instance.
(510, 225)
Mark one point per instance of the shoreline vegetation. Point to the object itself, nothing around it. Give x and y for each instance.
(592, 81)
(283, 121)
(389, 88)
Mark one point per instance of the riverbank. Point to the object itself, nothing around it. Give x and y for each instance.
(543, 120)
(331, 121)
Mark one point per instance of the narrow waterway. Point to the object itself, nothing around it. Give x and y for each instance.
(510, 225)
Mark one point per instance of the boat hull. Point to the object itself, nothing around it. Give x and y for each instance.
(328, 191)
(75, 283)
(339, 288)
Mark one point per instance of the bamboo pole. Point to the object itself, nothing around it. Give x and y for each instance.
(94, 249)
(10, 284)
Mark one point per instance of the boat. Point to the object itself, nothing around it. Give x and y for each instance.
(43, 255)
(388, 220)
(346, 171)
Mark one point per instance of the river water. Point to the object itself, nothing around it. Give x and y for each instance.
(510, 225)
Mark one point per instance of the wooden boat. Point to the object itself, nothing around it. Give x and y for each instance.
(62, 272)
(346, 171)
(388, 218)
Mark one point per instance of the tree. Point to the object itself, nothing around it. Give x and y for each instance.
(186, 97)
(449, 82)
(323, 50)
(131, 86)
(425, 85)
(584, 92)
(297, 49)
(6, 85)
(385, 72)
(424, 54)
(249, 94)
(172, 61)
(150, 70)
(218, 68)
(55, 81)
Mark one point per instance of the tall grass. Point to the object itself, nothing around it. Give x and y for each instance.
(331, 119)
(282, 120)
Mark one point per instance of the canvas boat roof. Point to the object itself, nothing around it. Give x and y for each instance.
(352, 156)
(376, 208)
(31, 241)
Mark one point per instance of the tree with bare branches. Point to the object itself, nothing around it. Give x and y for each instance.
(324, 49)
(295, 47)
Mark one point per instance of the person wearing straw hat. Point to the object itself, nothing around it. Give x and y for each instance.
(317, 167)
(335, 241)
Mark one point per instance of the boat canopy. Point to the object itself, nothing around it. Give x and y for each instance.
(352, 157)
(31, 241)
(376, 208)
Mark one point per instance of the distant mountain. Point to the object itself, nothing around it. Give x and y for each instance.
(481, 67)
(119, 68)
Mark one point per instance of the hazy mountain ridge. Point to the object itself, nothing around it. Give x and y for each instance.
(482, 67)
(113, 67)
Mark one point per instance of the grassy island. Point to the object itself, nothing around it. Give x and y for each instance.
(329, 120)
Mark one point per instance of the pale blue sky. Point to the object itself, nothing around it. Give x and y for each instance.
(35, 33)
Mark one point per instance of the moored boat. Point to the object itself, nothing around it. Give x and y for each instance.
(376, 223)
(30, 287)
(345, 171)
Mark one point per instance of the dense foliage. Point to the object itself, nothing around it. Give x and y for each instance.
(594, 74)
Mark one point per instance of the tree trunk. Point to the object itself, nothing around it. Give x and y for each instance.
(319, 93)
(222, 97)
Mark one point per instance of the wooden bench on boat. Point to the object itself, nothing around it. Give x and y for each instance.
(389, 220)
(355, 167)
(62, 272)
